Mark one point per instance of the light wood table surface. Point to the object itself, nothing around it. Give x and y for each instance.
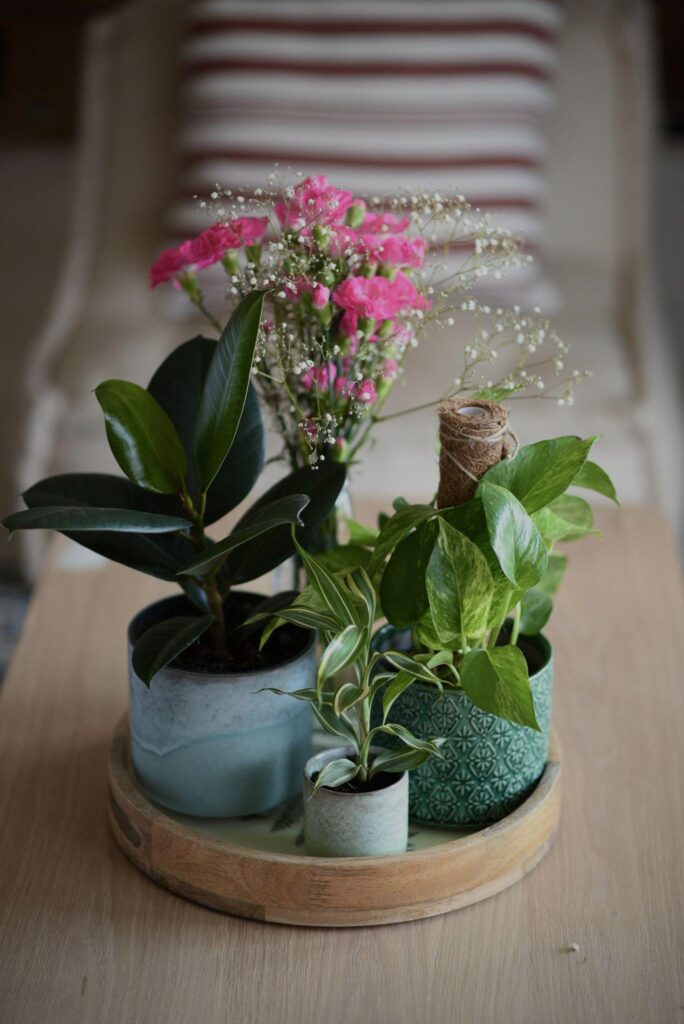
(87, 938)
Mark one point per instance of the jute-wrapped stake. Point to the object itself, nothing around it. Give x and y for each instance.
(473, 437)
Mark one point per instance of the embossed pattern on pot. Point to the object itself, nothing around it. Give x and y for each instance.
(490, 765)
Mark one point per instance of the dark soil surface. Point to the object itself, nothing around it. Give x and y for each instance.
(380, 781)
(243, 654)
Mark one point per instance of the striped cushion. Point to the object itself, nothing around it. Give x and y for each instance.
(451, 95)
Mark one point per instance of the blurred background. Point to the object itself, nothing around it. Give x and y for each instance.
(567, 120)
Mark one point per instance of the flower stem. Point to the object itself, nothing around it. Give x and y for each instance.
(517, 616)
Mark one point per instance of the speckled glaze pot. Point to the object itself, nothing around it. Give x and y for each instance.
(490, 765)
(338, 824)
(211, 745)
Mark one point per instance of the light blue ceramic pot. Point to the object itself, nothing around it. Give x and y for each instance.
(211, 745)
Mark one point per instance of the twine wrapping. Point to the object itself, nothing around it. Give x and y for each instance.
(469, 445)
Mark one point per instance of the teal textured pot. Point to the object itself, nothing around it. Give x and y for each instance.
(212, 745)
(490, 765)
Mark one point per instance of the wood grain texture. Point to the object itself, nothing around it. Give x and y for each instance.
(87, 938)
(339, 893)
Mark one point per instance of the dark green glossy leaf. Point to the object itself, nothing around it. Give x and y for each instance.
(567, 518)
(260, 556)
(142, 437)
(178, 385)
(225, 388)
(284, 511)
(497, 681)
(543, 471)
(393, 531)
(518, 544)
(459, 585)
(536, 607)
(160, 644)
(403, 593)
(593, 478)
(159, 555)
(68, 518)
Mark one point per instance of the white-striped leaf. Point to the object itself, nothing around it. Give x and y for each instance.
(335, 773)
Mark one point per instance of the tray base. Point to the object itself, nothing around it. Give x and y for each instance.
(256, 867)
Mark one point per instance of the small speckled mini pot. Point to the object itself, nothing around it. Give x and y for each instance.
(338, 824)
(490, 765)
(211, 745)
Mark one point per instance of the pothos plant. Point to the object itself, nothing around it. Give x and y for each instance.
(342, 607)
(191, 447)
(456, 576)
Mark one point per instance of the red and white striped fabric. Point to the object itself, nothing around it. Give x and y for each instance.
(452, 95)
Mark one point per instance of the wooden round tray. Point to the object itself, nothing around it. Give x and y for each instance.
(256, 867)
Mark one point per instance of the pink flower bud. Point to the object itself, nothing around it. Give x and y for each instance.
(321, 294)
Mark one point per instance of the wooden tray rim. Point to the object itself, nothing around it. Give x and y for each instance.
(540, 793)
(297, 889)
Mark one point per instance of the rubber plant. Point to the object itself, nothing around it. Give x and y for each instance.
(470, 580)
(342, 607)
(191, 446)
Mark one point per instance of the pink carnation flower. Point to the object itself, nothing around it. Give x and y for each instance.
(390, 369)
(366, 392)
(213, 244)
(377, 297)
(363, 390)
(349, 324)
(169, 263)
(245, 231)
(314, 202)
(319, 377)
(321, 294)
(377, 223)
(208, 247)
(343, 240)
(398, 250)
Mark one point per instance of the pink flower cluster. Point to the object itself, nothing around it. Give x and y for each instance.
(208, 247)
(396, 250)
(321, 377)
(319, 292)
(378, 298)
(314, 202)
